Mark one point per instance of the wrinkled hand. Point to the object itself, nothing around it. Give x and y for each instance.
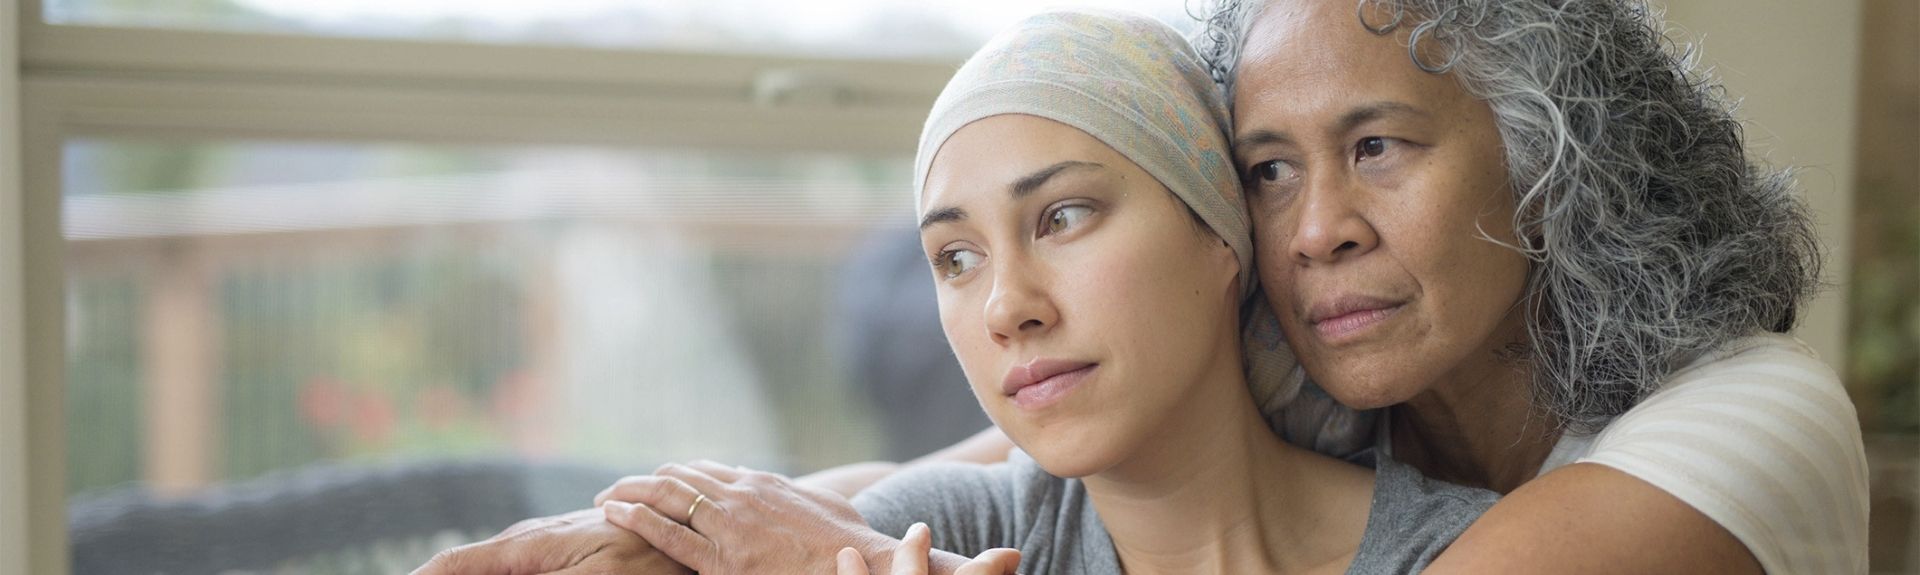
(911, 558)
(747, 522)
(580, 542)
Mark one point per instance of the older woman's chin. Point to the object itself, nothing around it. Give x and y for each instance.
(1360, 388)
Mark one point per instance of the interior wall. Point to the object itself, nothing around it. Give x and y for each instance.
(1795, 66)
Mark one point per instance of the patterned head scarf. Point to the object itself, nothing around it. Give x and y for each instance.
(1134, 84)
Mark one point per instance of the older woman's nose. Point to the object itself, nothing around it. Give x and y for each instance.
(1330, 228)
(1019, 306)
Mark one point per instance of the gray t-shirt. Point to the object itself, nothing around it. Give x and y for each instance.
(973, 508)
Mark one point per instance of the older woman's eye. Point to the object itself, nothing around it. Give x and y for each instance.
(952, 263)
(1272, 171)
(1066, 218)
(1369, 147)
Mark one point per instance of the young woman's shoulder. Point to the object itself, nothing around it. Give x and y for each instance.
(1761, 437)
(971, 508)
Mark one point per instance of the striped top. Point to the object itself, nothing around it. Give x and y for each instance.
(1760, 437)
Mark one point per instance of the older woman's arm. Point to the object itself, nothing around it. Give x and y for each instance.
(1749, 462)
(1588, 518)
(988, 446)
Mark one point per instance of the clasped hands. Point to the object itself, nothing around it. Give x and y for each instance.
(711, 518)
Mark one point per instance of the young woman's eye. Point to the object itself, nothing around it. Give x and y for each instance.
(1066, 218)
(952, 263)
(1369, 147)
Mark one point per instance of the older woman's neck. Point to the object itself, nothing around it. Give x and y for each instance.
(1477, 426)
(1216, 491)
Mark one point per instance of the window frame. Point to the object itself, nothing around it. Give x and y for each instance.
(92, 81)
(14, 459)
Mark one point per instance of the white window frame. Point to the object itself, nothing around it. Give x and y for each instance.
(13, 397)
(78, 81)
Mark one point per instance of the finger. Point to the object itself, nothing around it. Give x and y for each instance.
(701, 481)
(667, 494)
(698, 514)
(1000, 561)
(910, 558)
(679, 542)
(718, 470)
(850, 562)
(601, 498)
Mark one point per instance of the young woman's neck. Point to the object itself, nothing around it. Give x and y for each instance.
(1216, 491)
(1476, 426)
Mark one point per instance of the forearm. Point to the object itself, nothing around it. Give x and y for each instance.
(1588, 518)
(849, 479)
(988, 446)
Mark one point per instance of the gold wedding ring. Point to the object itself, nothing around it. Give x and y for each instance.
(695, 507)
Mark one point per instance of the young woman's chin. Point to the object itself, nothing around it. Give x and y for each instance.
(1074, 449)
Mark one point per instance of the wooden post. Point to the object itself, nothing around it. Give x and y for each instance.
(180, 364)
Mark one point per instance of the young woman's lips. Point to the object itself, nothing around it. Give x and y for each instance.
(1347, 319)
(1043, 382)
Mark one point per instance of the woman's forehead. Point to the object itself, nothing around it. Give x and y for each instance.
(998, 151)
(1323, 63)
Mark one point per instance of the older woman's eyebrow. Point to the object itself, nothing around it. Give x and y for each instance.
(1262, 137)
(1020, 188)
(1373, 111)
(1353, 118)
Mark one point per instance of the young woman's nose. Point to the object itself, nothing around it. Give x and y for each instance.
(1019, 306)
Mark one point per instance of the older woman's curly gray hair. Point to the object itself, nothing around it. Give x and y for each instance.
(1652, 237)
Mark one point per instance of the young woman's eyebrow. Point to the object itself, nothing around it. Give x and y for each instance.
(1020, 188)
(1027, 184)
(941, 216)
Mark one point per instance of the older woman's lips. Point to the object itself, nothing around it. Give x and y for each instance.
(1346, 319)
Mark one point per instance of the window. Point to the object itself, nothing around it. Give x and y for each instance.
(942, 29)
(241, 307)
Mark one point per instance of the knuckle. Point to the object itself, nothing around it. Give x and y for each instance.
(661, 490)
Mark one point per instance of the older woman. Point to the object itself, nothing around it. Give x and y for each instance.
(1531, 230)
(1528, 230)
